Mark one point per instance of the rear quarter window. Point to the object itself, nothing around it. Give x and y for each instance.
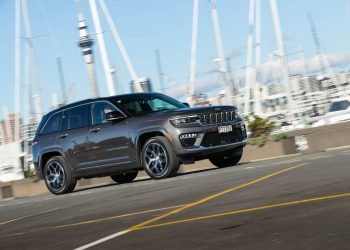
(53, 124)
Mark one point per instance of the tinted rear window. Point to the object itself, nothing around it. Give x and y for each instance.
(53, 124)
(77, 117)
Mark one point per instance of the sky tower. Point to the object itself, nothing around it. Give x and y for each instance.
(85, 43)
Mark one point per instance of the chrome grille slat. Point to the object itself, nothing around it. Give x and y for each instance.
(217, 117)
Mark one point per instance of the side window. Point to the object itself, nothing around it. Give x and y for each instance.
(77, 117)
(53, 124)
(99, 111)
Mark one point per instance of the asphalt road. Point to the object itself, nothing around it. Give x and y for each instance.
(298, 202)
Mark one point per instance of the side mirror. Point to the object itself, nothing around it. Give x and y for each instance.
(114, 116)
(187, 104)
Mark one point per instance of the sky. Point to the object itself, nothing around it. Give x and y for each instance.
(146, 25)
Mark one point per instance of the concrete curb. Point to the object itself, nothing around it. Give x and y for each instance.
(338, 148)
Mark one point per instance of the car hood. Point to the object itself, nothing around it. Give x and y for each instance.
(193, 111)
(167, 114)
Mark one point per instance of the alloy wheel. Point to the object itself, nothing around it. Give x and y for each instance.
(155, 159)
(55, 176)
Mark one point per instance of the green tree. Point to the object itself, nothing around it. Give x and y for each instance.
(259, 126)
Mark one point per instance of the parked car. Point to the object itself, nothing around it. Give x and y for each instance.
(9, 173)
(120, 135)
(339, 111)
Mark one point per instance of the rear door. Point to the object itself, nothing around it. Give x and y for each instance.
(73, 137)
(109, 141)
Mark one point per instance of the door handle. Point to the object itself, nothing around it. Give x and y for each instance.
(94, 130)
(63, 136)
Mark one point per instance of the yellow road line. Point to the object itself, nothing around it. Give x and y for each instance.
(30, 215)
(248, 210)
(16, 234)
(212, 197)
(287, 161)
(50, 210)
(90, 221)
(116, 217)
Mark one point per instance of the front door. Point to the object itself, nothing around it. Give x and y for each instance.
(109, 141)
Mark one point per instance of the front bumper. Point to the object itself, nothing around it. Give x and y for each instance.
(200, 149)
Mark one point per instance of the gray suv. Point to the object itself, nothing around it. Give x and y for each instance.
(120, 135)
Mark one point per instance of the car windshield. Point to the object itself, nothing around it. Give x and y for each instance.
(338, 106)
(140, 104)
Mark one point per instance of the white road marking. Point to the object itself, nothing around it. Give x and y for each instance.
(102, 240)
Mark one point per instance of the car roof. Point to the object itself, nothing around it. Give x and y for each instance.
(73, 104)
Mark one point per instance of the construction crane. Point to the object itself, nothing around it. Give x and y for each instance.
(257, 101)
(250, 71)
(324, 64)
(17, 64)
(193, 51)
(160, 70)
(220, 48)
(101, 44)
(121, 46)
(62, 82)
(282, 54)
(29, 40)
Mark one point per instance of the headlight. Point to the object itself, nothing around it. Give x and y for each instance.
(184, 119)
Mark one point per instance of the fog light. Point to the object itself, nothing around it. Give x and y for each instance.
(188, 136)
(188, 140)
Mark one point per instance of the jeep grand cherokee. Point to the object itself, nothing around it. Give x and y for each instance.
(120, 135)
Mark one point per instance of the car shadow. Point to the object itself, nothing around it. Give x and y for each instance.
(146, 178)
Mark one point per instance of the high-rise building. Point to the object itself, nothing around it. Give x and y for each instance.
(145, 83)
(28, 130)
(7, 128)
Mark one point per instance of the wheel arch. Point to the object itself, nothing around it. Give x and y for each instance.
(146, 135)
(48, 155)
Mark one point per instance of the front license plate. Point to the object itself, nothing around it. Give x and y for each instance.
(225, 129)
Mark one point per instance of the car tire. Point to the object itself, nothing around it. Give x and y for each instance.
(159, 159)
(58, 176)
(225, 160)
(124, 177)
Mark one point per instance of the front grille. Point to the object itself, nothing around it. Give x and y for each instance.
(218, 117)
(188, 142)
(213, 139)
